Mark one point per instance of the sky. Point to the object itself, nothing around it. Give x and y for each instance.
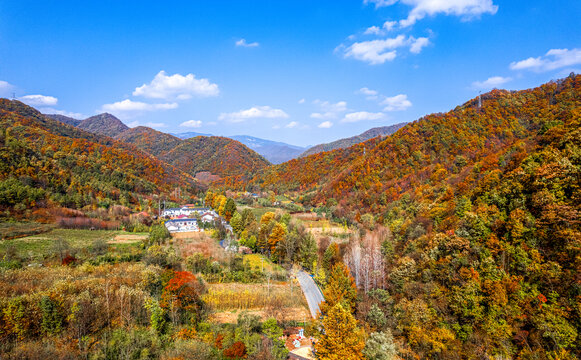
(301, 72)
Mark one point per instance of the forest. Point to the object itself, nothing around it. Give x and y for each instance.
(457, 237)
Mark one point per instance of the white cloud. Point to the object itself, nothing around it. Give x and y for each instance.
(362, 116)
(292, 124)
(265, 112)
(389, 25)
(192, 123)
(376, 30)
(491, 82)
(243, 43)
(467, 9)
(38, 100)
(6, 88)
(302, 101)
(49, 110)
(373, 30)
(380, 3)
(418, 44)
(329, 110)
(396, 103)
(129, 108)
(369, 94)
(148, 124)
(325, 125)
(553, 59)
(155, 125)
(375, 51)
(176, 87)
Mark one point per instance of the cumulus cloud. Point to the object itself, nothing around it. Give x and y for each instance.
(379, 51)
(129, 108)
(302, 101)
(243, 43)
(265, 112)
(376, 30)
(38, 100)
(325, 125)
(491, 82)
(552, 60)
(417, 44)
(380, 3)
(291, 125)
(362, 116)
(467, 9)
(6, 88)
(192, 123)
(176, 87)
(396, 103)
(329, 110)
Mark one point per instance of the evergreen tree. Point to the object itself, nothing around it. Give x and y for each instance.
(229, 209)
(340, 289)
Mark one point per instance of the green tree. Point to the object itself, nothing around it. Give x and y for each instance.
(236, 223)
(229, 209)
(158, 234)
(380, 346)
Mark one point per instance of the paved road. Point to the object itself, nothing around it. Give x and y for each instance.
(311, 291)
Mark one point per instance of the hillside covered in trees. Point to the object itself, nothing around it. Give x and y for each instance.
(45, 162)
(482, 207)
(218, 155)
(347, 142)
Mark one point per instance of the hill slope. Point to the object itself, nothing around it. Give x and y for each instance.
(217, 155)
(64, 119)
(344, 143)
(44, 161)
(484, 210)
(103, 124)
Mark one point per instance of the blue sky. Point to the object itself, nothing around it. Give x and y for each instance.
(302, 72)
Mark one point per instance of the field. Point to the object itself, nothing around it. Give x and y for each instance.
(255, 263)
(258, 211)
(11, 230)
(39, 247)
(321, 227)
(278, 301)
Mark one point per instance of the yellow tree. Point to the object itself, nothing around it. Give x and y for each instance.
(340, 289)
(276, 235)
(342, 339)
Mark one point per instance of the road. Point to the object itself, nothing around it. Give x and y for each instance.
(311, 291)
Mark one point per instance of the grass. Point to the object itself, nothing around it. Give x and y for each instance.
(253, 260)
(40, 246)
(9, 230)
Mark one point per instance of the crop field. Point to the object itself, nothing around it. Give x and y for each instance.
(255, 263)
(277, 300)
(41, 246)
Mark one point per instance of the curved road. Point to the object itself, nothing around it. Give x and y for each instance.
(311, 291)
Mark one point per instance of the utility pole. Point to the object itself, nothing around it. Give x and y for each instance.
(479, 99)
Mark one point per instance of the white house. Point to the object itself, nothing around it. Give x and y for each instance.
(182, 225)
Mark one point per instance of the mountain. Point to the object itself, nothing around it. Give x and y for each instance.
(103, 124)
(190, 134)
(475, 218)
(147, 139)
(218, 156)
(344, 143)
(45, 162)
(64, 119)
(273, 151)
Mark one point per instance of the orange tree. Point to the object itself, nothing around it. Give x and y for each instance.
(181, 297)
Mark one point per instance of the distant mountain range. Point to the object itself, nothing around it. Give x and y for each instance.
(347, 142)
(274, 151)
